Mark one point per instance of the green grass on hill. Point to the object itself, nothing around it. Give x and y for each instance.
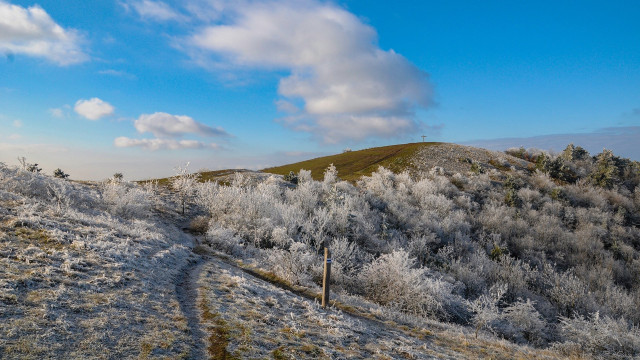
(354, 164)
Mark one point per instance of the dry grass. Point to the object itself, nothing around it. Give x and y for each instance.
(79, 283)
(283, 321)
(354, 164)
(219, 333)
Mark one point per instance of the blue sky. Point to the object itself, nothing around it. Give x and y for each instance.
(142, 86)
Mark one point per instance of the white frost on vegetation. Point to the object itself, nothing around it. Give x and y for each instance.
(87, 270)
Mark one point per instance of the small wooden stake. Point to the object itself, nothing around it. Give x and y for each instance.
(325, 277)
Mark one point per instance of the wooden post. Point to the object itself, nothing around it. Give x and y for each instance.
(326, 277)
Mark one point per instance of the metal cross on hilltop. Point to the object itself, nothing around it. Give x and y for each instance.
(423, 136)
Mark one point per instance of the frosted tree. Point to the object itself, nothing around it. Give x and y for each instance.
(184, 184)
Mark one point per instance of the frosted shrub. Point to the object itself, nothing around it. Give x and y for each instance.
(126, 200)
(568, 292)
(53, 191)
(542, 182)
(330, 177)
(380, 181)
(304, 176)
(479, 183)
(280, 238)
(603, 337)
(305, 197)
(224, 240)
(469, 270)
(485, 308)
(347, 260)
(392, 280)
(293, 265)
(524, 323)
(420, 247)
(529, 197)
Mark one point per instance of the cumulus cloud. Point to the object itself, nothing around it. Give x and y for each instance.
(93, 109)
(349, 87)
(160, 144)
(31, 31)
(168, 129)
(155, 10)
(162, 124)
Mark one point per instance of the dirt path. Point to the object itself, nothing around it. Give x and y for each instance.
(187, 294)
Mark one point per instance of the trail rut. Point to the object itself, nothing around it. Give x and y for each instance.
(187, 294)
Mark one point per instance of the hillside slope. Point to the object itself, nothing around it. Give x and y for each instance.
(352, 165)
(93, 271)
(414, 158)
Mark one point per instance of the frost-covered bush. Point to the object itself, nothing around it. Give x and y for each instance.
(347, 259)
(126, 199)
(485, 308)
(393, 280)
(62, 195)
(293, 265)
(523, 323)
(224, 239)
(603, 337)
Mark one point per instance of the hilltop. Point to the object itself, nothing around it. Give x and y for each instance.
(412, 157)
(415, 158)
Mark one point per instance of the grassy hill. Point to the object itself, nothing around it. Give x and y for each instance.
(416, 157)
(352, 165)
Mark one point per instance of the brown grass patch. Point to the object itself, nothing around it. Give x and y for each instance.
(353, 165)
(218, 334)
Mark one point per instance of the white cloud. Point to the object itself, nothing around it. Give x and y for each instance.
(167, 130)
(155, 10)
(14, 136)
(31, 31)
(166, 125)
(17, 123)
(159, 144)
(206, 10)
(337, 69)
(338, 128)
(93, 109)
(57, 113)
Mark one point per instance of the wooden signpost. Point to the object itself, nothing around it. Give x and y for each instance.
(325, 277)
